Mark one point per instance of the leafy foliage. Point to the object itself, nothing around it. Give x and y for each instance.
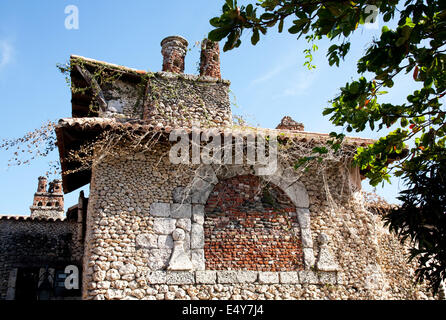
(421, 219)
(416, 48)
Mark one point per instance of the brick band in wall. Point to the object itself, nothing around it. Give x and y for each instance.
(250, 226)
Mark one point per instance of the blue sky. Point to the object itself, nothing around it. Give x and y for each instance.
(268, 81)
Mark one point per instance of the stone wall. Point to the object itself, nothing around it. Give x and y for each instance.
(28, 242)
(128, 254)
(179, 99)
(47, 212)
(167, 98)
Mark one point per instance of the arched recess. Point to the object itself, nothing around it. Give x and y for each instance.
(250, 225)
(285, 180)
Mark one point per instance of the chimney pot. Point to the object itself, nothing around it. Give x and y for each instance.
(56, 186)
(288, 123)
(41, 186)
(174, 50)
(210, 59)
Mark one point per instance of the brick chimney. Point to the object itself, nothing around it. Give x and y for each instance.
(41, 186)
(174, 50)
(210, 59)
(288, 123)
(56, 187)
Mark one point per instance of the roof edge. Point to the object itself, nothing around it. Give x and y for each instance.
(159, 74)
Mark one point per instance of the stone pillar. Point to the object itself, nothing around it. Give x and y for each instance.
(179, 260)
(210, 59)
(326, 260)
(174, 50)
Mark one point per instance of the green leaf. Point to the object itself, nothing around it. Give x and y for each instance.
(233, 41)
(298, 26)
(215, 22)
(281, 26)
(354, 88)
(321, 150)
(255, 36)
(267, 16)
(400, 41)
(230, 4)
(404, 122)
(218, 34)
(249, 10)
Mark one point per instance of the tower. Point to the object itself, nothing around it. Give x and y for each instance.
(48, 203)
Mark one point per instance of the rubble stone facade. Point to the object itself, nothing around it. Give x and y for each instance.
(157, 230)
(130, 238)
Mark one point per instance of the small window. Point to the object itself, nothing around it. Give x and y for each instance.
(39, 204)
(177, 63)
(48, 204)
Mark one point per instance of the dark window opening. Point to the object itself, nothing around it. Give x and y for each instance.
(26, 284)
(177, 63)
(40, 284)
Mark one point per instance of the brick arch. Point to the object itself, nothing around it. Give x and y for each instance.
(251, 226)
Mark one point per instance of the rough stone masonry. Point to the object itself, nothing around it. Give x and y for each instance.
(155, 230)
(159, 231)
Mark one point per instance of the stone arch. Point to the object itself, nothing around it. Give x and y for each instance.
(207, 177)
(251, 226)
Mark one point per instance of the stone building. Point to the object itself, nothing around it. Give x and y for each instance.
(39, 252)
(156, 229)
